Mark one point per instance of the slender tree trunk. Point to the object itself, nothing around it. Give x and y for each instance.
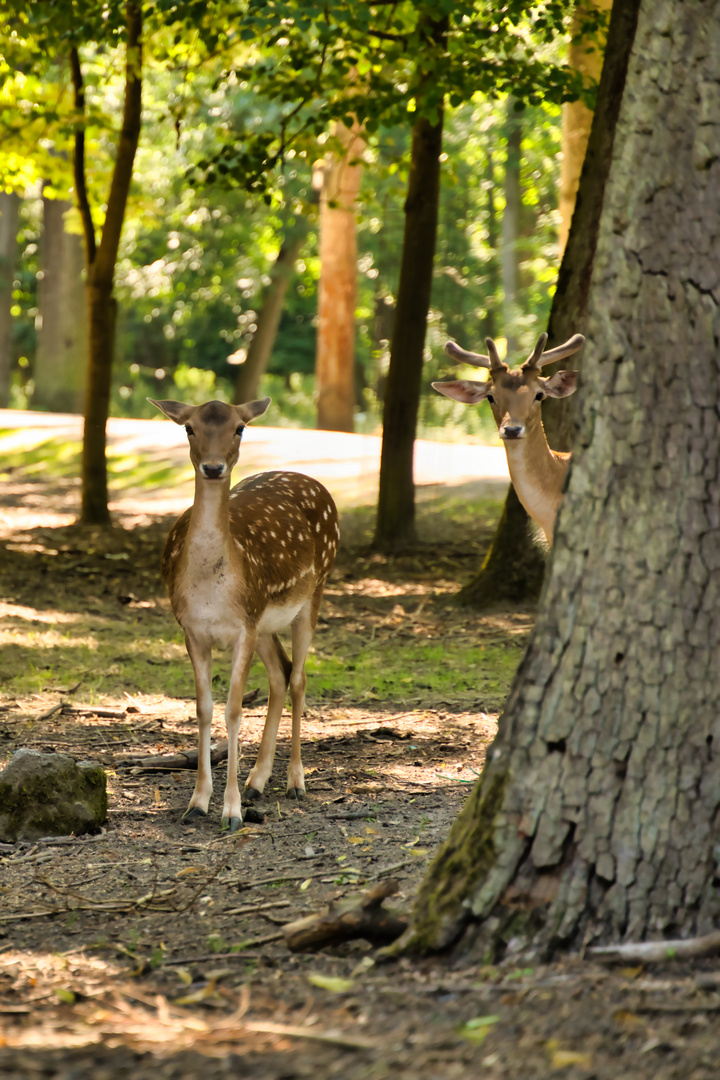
(62, 338)
(568, 313)
(247, 384)
(596, 816)
(9, 221)
(335, 359)
(492, 274)
(395, 526)
(511, 225)
(586, 56)
(101, 261)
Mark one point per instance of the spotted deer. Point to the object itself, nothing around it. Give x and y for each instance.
(240, 565)
(537, 472)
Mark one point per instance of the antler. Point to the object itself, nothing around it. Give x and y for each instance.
(493, 361)
(538, 357)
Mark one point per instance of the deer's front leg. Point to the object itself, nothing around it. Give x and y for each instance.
(241, 661)
(201, 659)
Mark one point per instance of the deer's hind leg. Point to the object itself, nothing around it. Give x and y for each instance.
(273, 656)
(303, 628)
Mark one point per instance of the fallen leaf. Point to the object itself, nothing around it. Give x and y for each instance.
(333, 983)
(563, 1059)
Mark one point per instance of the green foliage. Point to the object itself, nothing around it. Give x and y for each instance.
(195, 255)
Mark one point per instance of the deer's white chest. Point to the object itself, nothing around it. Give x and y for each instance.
(206, 605)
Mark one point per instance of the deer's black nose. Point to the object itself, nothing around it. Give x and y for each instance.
(512, 431)
(213, 472)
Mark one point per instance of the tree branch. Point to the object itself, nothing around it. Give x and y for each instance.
(81, 195)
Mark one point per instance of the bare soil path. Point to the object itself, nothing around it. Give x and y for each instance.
(154, 949)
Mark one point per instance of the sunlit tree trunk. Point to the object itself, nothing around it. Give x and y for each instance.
(395, 526)
(9, 220)
(586, 56)
(500, 576)
(337, 291)
(247, 384)
(596, 816)
(61, 352)
(511, 225)
(101, 260)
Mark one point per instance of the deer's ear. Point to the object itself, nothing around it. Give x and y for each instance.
(252, 409)
(466, 390)
(561, 384)
(174, 410)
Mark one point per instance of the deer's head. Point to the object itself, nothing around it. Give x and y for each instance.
(214, 431)
(514, 396)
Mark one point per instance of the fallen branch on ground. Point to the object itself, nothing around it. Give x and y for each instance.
(362, 917)
(657, 951)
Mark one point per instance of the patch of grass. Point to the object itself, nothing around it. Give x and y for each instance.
(402, 671)
(60, 459)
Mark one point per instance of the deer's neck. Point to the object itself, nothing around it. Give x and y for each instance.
(537, 474)
(208, 543)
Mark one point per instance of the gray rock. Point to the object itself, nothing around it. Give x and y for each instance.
(46, 794)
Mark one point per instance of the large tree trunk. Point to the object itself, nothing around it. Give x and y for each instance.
(9, 220)
(395, 525)
(61, 353)
(568, 313)
(335, 357)
(247, 384)
(596, 817)
(101, 261)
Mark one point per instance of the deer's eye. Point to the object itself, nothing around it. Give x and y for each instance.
(239, 431)
(490, 398)
(189, 429)
(539, 396)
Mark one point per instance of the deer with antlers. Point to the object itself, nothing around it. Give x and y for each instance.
(537, 472)
(240, 565)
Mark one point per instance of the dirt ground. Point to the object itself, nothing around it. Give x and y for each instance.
(155, 949)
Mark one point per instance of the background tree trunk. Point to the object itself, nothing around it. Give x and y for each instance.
(511, 225)
(247, 384)
(9, 222)
(395, 525)
(586, 56)
(568, 316)
(596, 815)
(335, 358)
(101, 261)
(61, 353)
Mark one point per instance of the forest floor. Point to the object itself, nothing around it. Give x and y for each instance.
(155, 949)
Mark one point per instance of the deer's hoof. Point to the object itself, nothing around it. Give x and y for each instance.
(231, 824)
(251, 794)
(295, 793)
(192, 814)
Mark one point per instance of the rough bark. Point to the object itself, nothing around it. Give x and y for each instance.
(607, 752)
(337, 291)
(9, 219)
(101, 260)
(395, 525)
(568, 313)
(247, 384)
(61, 353)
